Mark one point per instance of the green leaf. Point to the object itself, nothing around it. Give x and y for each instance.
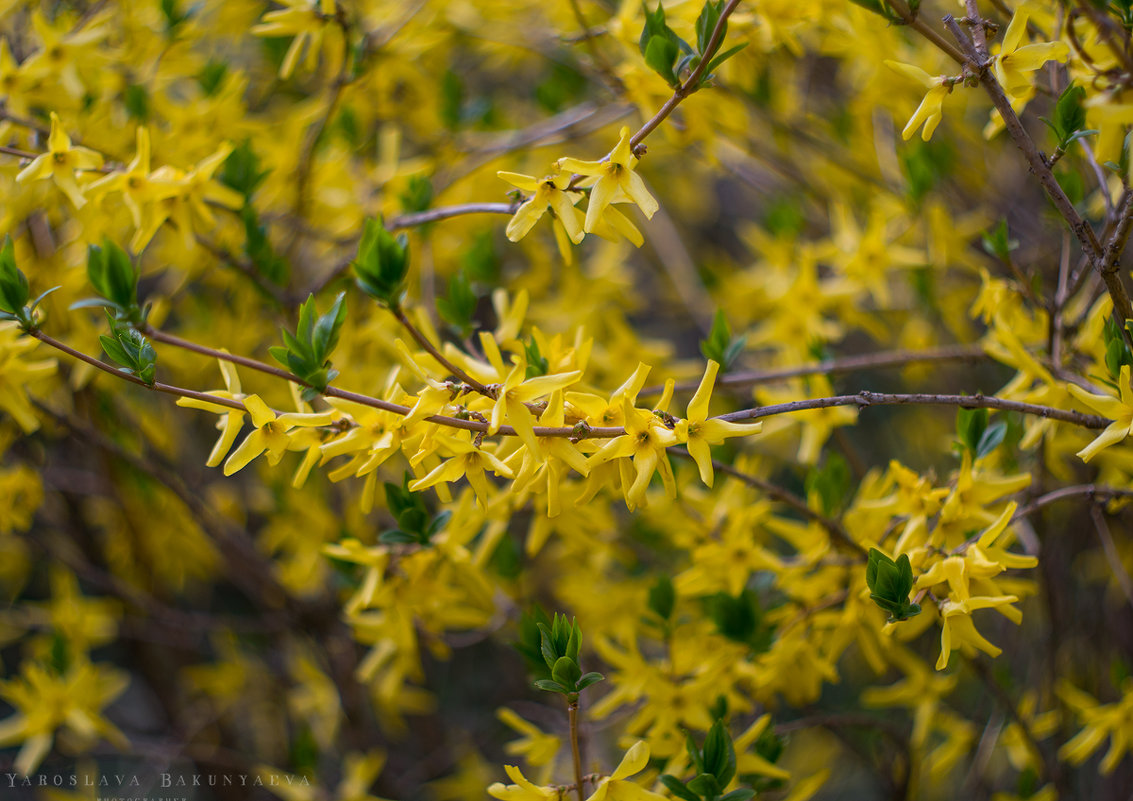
(382, 264)
(997, 242)
(114, 350)
(706, 23)
(566, 671)
(678, 788)
(14, 288)
(551, 686)
(991, 439)
(660, 54)
(459, 307)
(212, 76)
(970, 427)
(587, 679)
(574, 641)
(536, 364)
(662, 598)
(831, 483)
(720, 59)
(396, 537)
(741, 794)
(694, 756)
(241, 170)
(705, 784)
(328, 327)
(715, 749)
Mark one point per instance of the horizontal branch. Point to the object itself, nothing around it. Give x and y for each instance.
(867, 398)
(893, 358)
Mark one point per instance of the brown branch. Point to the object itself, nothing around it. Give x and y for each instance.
(861, 399)
(690, 85)
(894, 358)
(867, 398)
(1111, 554)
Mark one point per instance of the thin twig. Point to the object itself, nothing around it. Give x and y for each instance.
(786, 497)
(429, 348)
(1111, 554)
(848, 364)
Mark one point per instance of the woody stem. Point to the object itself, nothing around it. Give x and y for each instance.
(572, 716)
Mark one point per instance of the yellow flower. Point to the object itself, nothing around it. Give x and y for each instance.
(1013, 63)
(46, 701)
(617, 182)
(1111, 720)
(307, 21)
(233, 418)
(645, 441)
(536, 746)
(548, 192)
(271, 433)
(522, 790)
(142, 191)
(930, 112)
(698, 432)
(1119, 409)
(467, 461)
(615, 787)
(518, 390)
(60, 162)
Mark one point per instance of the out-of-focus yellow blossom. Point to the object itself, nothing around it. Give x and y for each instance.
(537, 747)
(16, 371)
(309, 21)
(142, 191)
(46, 701)
(1101, 721)
(60, 163)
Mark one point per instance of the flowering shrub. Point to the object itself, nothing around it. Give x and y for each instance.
(555, 352)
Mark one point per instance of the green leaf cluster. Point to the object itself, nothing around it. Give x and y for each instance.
(114, 277)
(997, 242)
(975, 435)
(669, 55)
(459, 307)
(382, 264)
(14, 290)
(241, 170)
(537, 363)
(559, 644)
(881, 8)
(258, 247)
(306, 352)
(831, 483)
(130, 350)
(1117, 353)
(740, 618)
(414, 525)
(721, 346)
(662, 598)
(715, 767)
(890, 583)
(1069, 119)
